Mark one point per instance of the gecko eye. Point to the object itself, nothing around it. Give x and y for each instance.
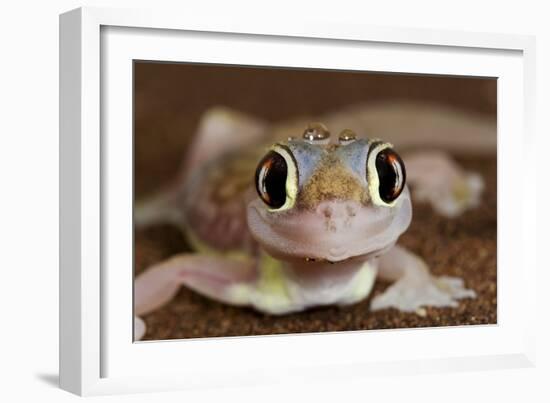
(391, 175)
(275, 179)
(386, 174)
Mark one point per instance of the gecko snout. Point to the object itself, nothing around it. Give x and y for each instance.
(337, 215)
(337, 209)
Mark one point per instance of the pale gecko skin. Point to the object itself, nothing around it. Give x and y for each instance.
(327, 244)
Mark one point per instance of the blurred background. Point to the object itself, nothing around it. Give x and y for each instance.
(169, 102)
(170, 99)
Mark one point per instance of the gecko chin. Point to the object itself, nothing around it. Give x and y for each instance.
(334, 232)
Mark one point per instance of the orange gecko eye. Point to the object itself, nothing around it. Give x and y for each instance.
(391, 174)
(271, 176)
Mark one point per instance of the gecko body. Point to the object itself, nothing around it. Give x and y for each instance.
(307, 220)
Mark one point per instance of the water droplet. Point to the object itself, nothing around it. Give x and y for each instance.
(316, 133)
(346, 136)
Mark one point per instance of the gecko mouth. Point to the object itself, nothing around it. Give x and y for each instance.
(329, 261)
(315, 260)
(325, 260)
(301, 236)
(344, 257)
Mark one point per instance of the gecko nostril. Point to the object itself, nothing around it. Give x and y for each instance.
(327, 212)
(351, 211)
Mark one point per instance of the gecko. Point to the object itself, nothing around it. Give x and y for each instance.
(285, 218)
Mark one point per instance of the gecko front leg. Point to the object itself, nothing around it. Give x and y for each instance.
(414, 287)
(219, 278)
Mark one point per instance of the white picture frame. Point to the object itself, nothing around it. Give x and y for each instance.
(97, 355)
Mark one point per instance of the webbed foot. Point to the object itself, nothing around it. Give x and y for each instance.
(414, 286)
(412, 294)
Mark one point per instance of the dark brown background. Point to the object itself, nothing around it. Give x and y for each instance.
(169, 100)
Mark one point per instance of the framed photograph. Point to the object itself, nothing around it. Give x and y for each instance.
(236, 199)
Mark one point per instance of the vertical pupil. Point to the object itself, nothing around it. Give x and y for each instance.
(271, 179)
(391, 174)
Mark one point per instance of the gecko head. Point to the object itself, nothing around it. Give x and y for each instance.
(323, 200)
